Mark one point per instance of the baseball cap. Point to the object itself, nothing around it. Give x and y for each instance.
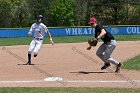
(39, 17)
(92, 20)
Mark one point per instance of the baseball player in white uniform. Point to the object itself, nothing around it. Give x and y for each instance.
(39, 30)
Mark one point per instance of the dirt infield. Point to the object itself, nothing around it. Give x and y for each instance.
(77, 66)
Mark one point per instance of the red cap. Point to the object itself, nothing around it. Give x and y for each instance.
(92, 20)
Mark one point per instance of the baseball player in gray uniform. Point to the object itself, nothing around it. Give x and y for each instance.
(105, 50)
(39, 30)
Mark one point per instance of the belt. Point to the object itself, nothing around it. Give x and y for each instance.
(38, 38)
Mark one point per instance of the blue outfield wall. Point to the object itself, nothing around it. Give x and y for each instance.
(73, 31)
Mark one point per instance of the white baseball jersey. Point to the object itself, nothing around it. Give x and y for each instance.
(39, 33)
(39, 30)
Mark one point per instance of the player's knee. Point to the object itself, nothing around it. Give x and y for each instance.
(35, 54)
(99, 54)
(106, 57)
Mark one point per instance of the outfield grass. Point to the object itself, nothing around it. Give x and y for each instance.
(69, 90)
(127, 37)
(27, 40)
(132, 64)
(65, 39)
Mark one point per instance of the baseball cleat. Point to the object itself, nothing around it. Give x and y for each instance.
(35, 55)
(118, 67)
(28, 63)
(106, 65)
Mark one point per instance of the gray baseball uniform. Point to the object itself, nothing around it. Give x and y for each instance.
(105, 50)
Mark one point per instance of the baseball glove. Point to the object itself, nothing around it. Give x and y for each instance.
(92, 42)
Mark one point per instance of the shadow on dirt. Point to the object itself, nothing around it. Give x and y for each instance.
(85, 72)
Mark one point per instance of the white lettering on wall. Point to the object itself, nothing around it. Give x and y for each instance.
(74, 31)
(91, 31)
(85, 32)
(80, 31)
(68, 31)
(133, 30)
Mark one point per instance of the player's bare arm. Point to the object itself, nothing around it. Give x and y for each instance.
(51, 40)
(103, 32)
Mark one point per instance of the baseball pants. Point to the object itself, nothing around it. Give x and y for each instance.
(105, 50)
(35, 46)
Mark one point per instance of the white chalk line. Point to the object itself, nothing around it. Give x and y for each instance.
(71, 81)
(22, 81)
(102, 81)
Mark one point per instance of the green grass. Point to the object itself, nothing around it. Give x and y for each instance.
(127, 37)
(69, 90)
(133, 63)
(27, 40)
(65, 39)
(14, 41)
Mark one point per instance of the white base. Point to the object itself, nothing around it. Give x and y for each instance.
(53, 79)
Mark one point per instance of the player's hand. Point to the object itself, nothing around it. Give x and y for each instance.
(89, 48)
(51, 41)
(95, 39)
(29, 33)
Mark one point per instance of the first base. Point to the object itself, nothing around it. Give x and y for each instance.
(53, 79)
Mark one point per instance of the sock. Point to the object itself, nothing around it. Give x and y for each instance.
(29, 58)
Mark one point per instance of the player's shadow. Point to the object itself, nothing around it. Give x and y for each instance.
(85, 72)
(31, 64)
(25, 64)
